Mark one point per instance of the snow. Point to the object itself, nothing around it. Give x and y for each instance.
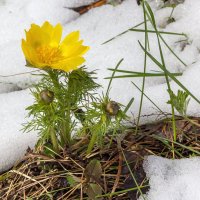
(19, 14)
(96, 26)
(13, 141)
(173, 179)
(55, 11)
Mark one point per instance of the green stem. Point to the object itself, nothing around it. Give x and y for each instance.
(54, 139)
(63, 104)
(172, 12)
(152, 20)
(92, 142)
(122, 191)
(122, 33)
(63, 135)
(145, 66)
(160, 32)
(65, 129)
(133, 176)
(54, 78)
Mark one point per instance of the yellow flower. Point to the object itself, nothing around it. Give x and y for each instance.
(43, 48)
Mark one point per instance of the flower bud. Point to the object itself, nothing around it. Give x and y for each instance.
(80, 114)
(47, 96)
(112, 108)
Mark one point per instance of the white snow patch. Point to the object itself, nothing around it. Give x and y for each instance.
(14, 142)
(19, 14)
(13, 70)
(173, 179)
(9, 87)
(54, 11)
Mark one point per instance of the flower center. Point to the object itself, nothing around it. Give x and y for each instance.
(48, 55)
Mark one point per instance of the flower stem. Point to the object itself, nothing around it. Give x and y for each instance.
(62, 105)
(54, 139)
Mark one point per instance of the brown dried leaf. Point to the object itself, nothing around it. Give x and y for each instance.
(93, 170)
(93, 190)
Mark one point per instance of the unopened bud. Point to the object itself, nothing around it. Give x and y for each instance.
(47, 96)
(112, 108)
(80, 114)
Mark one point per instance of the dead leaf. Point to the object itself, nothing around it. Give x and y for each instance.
(93, 190)
(93, 171)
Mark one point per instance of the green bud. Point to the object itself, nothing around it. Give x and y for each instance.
(47, 96)
(112, 108)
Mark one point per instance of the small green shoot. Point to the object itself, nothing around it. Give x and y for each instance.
(179, 101)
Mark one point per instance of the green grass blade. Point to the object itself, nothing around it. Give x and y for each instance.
(111, 78)
(132, 175)
(143, 75)
(122, 33)
(145, 66)
(177, 143)
(147, 97)
(150, 14)
(166, 143)
(128, 105)
(171, 50)
(163, 64)
(121, 192)
(160, 32)
(133, 72)
(169, 74)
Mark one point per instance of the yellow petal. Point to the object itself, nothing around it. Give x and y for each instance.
(36, 36)
(47, 27)
(29, 53)
(69, 64)
(25, 49)
(74, 50)
(71, 38)
(81, 50)
(75, 62)
(56, 35)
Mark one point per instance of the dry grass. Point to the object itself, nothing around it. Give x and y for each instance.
(39, 176)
